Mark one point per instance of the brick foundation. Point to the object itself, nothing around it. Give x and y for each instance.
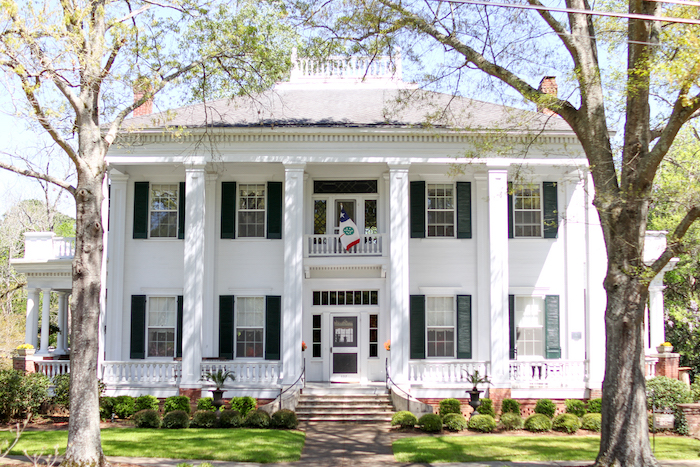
(497, 395)
(692, 416)
(596, 393)
(668, 365)
(192, 393)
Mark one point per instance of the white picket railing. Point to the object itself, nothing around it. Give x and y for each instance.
(158, 373)
(547, 374)
(245, 372)
(52, 368)
(64, 247)
(650, 366)
(444, 371)
(346, 67)
(330, 245)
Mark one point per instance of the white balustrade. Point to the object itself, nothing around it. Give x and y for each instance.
(547, 374)
(650, 366)
(46, 246)
(64, 247)
(52, 368)
(165, 373)
(444, 371)
(330, 245)
(246, 373)
(346, 67)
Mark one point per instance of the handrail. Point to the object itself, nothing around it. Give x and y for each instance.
(301, 376)
(389, 380)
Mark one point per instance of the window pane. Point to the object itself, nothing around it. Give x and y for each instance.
(320, 217)
(527, 213)
(251, 214)
(440, 210)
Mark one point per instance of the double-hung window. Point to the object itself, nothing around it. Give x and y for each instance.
(441, 210)
(527, 210)
(440, 317)
(529, 326)
(250, 326)
(251, 210)
(159, 210)
(162, 321)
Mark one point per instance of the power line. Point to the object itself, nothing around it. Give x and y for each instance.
(667, 19)
(677, 2)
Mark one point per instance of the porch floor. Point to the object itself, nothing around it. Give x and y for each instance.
(323, 388)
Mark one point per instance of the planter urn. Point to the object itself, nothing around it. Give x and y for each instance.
(664, 349)
(474, 399)
(218, 395)
(25, 352)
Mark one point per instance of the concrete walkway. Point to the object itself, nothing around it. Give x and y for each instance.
(332, 444)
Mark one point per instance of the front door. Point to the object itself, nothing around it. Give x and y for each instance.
(345, 362)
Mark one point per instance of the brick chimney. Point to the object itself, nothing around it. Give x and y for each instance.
(144, 109)
(548, 85)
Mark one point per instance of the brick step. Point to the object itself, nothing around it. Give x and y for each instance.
(363, 408)
(364, 418)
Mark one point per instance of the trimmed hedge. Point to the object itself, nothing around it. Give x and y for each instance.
(230, 419)
(206, 403)
(430, 423)
(285, 419)
(146, 402)
(106, 407)
(124, 407)
(176, 419)
(203, 419)
(666, 393)
(404, 419)
(257, 419)
(538, 423)
(486, 408)
(450, 406)
(454, 422)
(566, 422)
(511, 421)
(592, 422)
(243, 404)
(510, 406)
(177, 403)
(147, 418)
(545, 407)
(575, 407)
(482, 423)
(22, 394)
(61, 390)
(595, 405)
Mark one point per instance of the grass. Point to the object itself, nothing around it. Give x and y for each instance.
(237, 445)
(441, 449)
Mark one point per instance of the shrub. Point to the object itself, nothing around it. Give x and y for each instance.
(206, 403)
(680, 423)
(176, 419)
(430, 423)
(537, 423)
(22, 394)
(511, 421)
(404, 419)
(486, 408)
(666, 393)
(575, 407)
(257, 419)
(454, 422)
(61, 390)
(595, 405)
(243, 404)
(695, 390)
(124, 406)
(510, 406)
(284, 418)
(106, 407)
(147, 418)
(177, 403)
(545, 407)
(592, 422)
(146, 402)
(230, 419)
(482, 423)
(203, 419)
(566, 422)
(450, 406)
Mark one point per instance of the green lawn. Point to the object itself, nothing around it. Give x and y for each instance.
(236, 445)
(524, 448)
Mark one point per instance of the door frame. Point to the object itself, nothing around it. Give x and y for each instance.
(361, 367)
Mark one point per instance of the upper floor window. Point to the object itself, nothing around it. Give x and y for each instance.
(164, 209)
(162, 320)
(251, 212)
(527, 210)
(441, 210)
(440, 317)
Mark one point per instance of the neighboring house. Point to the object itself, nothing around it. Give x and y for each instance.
(478, 247)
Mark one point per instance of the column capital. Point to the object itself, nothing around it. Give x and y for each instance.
(291, 166)
(117, 176)
(211, 177)
(399, 167)
(195, 168)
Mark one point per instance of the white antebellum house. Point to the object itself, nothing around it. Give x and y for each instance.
(479, 247)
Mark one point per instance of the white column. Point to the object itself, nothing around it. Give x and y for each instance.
(498, 260)
(45, 317)
(657, 333)
(66, 323)
(483, 265)
(114, 303)
(60, 349)
(293, 238)
(32, 323)
(193, 304)
(573, 230)
(210, 324)
(398, 272)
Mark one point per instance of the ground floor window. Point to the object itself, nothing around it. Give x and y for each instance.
(529, 326)
(162, 320)
(440, 317)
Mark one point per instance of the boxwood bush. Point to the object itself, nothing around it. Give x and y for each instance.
(285, 419)
(454, 422)
(146, 402)
(486, 408)
(566, 422)
(243, 404)
(177, 403)
(592, 422)
(147, 418)
(61, 390)
(206, 403)
(538, 423)
(450, 406)
(666, 393)
(106, 407)
(203, 419)
(510, 406)
(176, 419)
(430, 423)
(22, 394)
(545, 407)
(482, 423)
(404, 419)
(575, 407)
(124, 407)
(511, 421)
(257, 419)
(595, 405)
(230, 419)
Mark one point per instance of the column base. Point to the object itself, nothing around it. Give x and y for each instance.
(497, 395)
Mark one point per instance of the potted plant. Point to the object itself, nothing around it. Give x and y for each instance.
(24, 350)
(475, 379)
(666, 347)
(219, 379)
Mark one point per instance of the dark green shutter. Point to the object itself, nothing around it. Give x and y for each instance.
(274, 210)
(138, 327)
(510, 210)
(178, 345)
(228, 210)
(464, 326)
(550, 209)
(181, 213)
(273, 326)
(141, 209)
(511, 325)
(464, 210)
(418, 209)
(551, 325)
(417, 326)
(226, 327)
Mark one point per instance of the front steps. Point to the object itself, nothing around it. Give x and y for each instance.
(344, 403)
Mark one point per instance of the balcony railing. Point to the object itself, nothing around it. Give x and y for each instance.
(330, 245)
(45, 246)
(547, 374)
(52, 368)
(246, 373)
(444, 371)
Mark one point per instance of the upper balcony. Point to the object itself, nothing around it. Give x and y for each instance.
(330, 245)
(46, 246)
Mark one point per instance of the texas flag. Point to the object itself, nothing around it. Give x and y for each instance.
(348, 231)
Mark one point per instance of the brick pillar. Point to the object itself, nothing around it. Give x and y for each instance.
(668, 365)
(595, 394)
(692, 416)
(497, 395)
(23, 363)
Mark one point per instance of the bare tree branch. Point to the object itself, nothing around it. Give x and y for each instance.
(675, 247)
(31, 173)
